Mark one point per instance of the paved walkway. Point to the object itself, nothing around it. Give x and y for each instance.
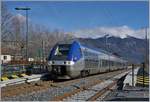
(141, 78)
(128, 79)
(132, 93)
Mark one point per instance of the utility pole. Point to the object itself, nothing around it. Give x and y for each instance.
(27, 35)
(26, 9)
(146, 48)
(143, 65)
(43, 52)
(146, 63)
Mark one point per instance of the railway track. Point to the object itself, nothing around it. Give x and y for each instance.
(24, 88)
(89, 92)
(49, 90)
(102, 91)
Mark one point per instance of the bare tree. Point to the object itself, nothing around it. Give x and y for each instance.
(6, 18)
(13, 29)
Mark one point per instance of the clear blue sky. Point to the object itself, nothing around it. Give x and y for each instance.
(71, 16)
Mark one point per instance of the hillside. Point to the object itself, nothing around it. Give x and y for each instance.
(130, 48)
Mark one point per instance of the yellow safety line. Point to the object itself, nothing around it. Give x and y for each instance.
(4, 78)
(23, 75)
(14, 76)
(144, 78)
(142, 83)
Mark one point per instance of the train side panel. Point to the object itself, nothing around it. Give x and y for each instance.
(81, 61)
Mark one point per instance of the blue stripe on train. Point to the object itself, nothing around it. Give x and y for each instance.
(75, 52)
(52, 52)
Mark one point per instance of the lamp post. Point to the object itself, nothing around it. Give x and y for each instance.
(146, 48)
(26, 9)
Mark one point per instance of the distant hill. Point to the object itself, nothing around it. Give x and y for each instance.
(130, 48)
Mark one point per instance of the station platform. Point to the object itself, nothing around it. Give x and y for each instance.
(128, 79)
(12, 82)
(137, 91)
(13, 76)
(129, 93)
(140, 78)
(19, 80)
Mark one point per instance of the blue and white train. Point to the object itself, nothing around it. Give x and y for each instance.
(71, 59)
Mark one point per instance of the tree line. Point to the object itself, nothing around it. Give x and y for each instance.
(40, 38)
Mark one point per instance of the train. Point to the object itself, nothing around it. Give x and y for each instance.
(71, 59)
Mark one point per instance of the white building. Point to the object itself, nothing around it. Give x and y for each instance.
(6, 58)
(30, 59)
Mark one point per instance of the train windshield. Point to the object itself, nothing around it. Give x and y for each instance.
(62, 50)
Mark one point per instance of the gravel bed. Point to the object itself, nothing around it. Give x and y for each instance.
(46, 95)
(50, 93)
(86, 94)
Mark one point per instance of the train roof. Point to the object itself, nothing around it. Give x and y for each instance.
(92, 49)
(83, 44)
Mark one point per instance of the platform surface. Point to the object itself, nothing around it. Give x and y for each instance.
(34, 77)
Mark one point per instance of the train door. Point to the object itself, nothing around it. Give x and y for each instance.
(99, 64)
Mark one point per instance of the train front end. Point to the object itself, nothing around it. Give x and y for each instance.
(63, 58)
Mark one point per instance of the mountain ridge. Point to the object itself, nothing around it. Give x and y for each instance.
(130, 48)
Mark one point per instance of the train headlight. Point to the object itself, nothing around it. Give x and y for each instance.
(50, 62)
(68, 62)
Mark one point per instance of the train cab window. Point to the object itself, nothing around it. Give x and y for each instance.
(62, 50)
(5, 57)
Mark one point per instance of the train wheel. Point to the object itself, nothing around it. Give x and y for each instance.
(87, 73)
(83, 74)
